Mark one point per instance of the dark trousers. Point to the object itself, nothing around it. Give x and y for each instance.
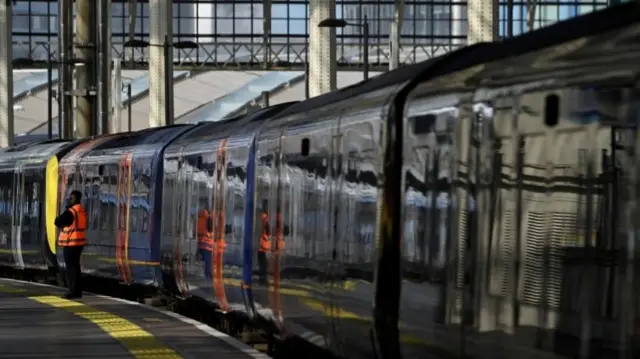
(72, 262)
(206, 259)
(262, 267)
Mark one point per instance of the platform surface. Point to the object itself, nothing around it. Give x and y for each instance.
(36, 322)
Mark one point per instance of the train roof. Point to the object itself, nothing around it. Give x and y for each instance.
(149, 136)
(583, 26)
(207, 130)
(30, 138)
(36, 151)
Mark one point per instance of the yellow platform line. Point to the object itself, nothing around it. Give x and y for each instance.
(405, 338)
(140, 343)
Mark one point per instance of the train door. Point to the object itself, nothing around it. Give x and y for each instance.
(33, 243)
(219, 206)
(168, 222)
(354, 186)
(302, 237)
(333, 210)
(6, 214)
(181, 246)
(18, 215)
(430, 290)
(197, 199)
(123, 200)
(268, 160)
(472, 174)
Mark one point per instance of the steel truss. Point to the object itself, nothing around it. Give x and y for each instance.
(239, 55)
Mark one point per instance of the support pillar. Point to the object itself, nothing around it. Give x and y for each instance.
(104, 67)
(117, 96)
(133, 7)
(483, 21)
(86, 60)
(266, 32)
(65, 69)
(322, 48)
(6, 75)
(395, 35)
(160, 27)
(457, 20)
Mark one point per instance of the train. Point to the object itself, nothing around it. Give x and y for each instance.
(480, 204)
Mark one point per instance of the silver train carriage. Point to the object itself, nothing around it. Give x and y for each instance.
(536, 153)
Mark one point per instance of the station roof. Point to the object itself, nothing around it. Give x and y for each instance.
(198, 96)
(297, 91)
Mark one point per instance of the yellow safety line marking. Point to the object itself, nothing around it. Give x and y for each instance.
(140, 343)
(11, 251)
(11, 290)
(134, 262)
(318, 306)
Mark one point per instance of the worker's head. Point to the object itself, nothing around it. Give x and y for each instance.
(75, 197)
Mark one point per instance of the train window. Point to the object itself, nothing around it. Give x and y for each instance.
(105, 211)
(145, 220)
(423, 124)
(95, 205)
(145, 195)
(305, 147)
(135, 208)
(551, 110)
(167, 204)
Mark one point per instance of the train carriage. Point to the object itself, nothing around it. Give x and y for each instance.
(206, 172)
(526, 142)
(28, 188)
(118, 178)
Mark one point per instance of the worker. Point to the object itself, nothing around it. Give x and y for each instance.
(204, 234)
(265, 244)
(72, 239)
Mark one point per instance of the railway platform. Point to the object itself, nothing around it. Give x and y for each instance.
(36, 322)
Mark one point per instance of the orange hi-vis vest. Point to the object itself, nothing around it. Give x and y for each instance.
(205, 238)
(74, 235)
(265, 242)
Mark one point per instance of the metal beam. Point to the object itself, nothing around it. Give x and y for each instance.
(6, 75)
(86, 47)
(284, 54)
(133, 7)
(104, 68)
(65, 69)
(266, 32)
(117, 96)
(395, 35)
(531, 14)
(322, 48)
(160, 28)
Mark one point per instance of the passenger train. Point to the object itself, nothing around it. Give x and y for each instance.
(480, 204)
